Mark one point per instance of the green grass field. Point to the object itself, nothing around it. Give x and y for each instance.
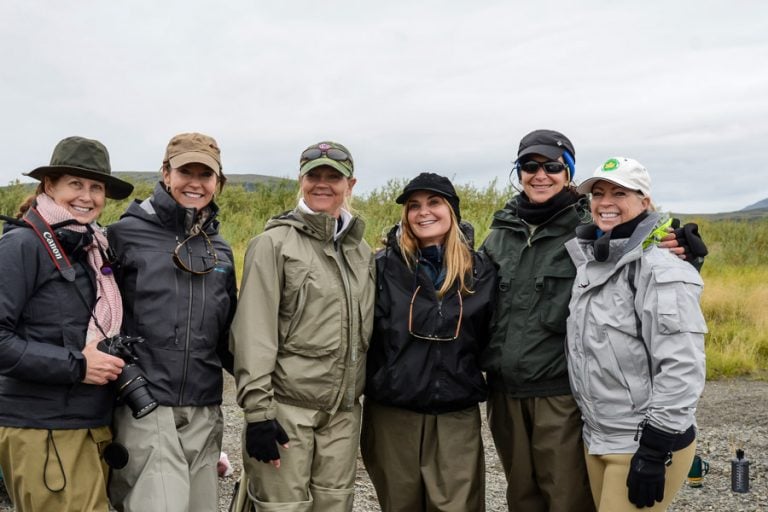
(735, 272)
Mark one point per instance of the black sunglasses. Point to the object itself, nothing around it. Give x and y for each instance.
(209, 249)
(432, 337)
(332, 153)
(532, 167)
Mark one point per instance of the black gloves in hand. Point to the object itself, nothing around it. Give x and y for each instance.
(647, 468)
(262, 438)
(689, 239)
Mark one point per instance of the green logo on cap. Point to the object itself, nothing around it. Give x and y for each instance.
(611, 165)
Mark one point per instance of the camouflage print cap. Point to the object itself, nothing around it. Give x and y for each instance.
(331, 154)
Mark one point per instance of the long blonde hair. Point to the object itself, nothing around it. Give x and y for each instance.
(457, 257)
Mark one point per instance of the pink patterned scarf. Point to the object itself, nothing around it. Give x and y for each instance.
(108, 311)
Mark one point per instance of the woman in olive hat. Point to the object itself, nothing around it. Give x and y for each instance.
(58, 300)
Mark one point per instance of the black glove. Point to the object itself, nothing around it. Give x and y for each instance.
(647, 468)
(690, 240)
(262, 438)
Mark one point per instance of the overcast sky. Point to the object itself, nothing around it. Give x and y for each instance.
(445, 86)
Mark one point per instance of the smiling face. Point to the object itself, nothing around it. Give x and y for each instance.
(613, 205)
(429, 217)
(324, 189)
(191, 185)
(540, 186)
(81, 197)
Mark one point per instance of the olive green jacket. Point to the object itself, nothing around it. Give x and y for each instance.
(304, 316)
(525, 356)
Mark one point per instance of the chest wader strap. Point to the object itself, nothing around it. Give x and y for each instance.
(43, 230)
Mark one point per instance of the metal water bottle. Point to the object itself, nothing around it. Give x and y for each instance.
(740, 472)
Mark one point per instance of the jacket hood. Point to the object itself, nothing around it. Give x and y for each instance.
(163, 210)
(319, 225)
(620, 250)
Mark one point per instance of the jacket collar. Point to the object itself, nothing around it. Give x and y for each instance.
(319, 225)
(162, 209)
(562, 221)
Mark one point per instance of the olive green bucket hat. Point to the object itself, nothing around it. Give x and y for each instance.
(86, 158)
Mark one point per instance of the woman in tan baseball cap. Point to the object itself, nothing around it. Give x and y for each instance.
(178, 279)
(58, 300)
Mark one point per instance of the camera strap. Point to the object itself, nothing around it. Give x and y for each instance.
(50, 241)
(46, 234)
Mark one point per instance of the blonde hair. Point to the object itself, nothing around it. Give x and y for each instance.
(457, 257)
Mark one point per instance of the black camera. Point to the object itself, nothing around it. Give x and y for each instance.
(132, 387)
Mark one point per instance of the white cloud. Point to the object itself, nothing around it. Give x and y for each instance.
(447, 86)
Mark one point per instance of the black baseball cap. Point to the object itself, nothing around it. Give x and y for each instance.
(548, 143)
(433, 183)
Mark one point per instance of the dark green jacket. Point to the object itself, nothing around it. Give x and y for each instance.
(526, 353)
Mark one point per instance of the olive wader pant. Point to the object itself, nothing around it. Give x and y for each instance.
(172, 457)
(317, 471)
(539, 442)
(52, 470)
(608, 478)
(424, 462)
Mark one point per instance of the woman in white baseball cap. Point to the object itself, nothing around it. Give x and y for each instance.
(635, 344)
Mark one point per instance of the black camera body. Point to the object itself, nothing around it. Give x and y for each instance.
(132, 387)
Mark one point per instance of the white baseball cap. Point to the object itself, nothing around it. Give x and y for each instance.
(624, 172)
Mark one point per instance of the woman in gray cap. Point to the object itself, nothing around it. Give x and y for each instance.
(635, 345)
(299, 339)
(59, 299)
(421, 440)
(178, 281)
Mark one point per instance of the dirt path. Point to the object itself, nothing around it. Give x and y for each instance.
(731, 412)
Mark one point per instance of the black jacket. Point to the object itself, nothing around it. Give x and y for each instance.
(183, 317)
(43, 324)
(429, 377)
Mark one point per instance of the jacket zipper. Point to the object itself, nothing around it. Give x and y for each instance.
(349, 392)
(186, 336)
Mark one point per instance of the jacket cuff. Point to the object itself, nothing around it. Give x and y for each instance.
(79, 365)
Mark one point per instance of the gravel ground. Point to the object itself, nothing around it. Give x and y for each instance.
(731, 413)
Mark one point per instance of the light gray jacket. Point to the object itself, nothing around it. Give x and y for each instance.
(634, 354)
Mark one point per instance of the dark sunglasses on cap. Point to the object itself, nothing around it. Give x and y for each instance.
(532, 167)
(332, 153)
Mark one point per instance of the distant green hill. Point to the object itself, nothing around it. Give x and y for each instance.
(249, 181)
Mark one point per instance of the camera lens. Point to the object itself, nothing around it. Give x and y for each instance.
(132, 389)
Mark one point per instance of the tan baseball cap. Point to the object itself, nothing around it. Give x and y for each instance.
(187, 148)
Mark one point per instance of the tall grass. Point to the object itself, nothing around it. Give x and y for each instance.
(735, 272)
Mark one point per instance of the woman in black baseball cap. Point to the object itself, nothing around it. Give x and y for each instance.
(421, 440)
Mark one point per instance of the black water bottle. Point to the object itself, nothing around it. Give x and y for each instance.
(740, 472)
